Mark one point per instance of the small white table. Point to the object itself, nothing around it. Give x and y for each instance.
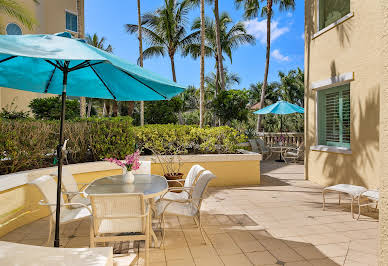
(352, 191)
(149, 185)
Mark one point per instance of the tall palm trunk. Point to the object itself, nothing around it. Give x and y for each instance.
(81, 35)
(264, 87)
(140, 60)
(220, 68)
(202, 84)
(89, 107)
(172, 66)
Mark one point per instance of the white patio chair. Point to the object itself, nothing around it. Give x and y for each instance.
(190, 207)
(48, 187)
(292, 155)
(187, 182)
(70, 188)
(264, 149)
(115, 214)
(372, 198)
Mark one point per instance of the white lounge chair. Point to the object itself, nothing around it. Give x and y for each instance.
(187, 182)
(114, 214)
(48, 188)
(292, 155)
(350, 190)
(190, 207)
(372, 198)
(70, 188)
(27, 255)
(265, 150)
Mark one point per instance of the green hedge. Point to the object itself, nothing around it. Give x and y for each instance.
(30, 144)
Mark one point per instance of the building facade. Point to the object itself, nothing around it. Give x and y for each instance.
(52, 16)
(343, 80)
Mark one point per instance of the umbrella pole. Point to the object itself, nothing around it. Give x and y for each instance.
(60, 162)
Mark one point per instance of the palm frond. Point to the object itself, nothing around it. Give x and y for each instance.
(152, 52)
(16, 10)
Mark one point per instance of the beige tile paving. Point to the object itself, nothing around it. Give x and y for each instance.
(277, 223)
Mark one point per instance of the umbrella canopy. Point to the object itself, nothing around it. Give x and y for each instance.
(34, 62)
(281, 108)
(59, 64)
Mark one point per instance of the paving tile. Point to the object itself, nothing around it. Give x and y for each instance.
(208, 261)
(237, 259)
(203, 251)
(178, 254)
(261, 258)
(181, 263)
(310, 252)
(286, 254)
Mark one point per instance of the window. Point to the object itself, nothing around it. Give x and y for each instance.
(334, 116)
(71, 22)
(332, 10)
(13, 29)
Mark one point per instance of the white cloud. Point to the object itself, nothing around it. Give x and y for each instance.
(278, 56)
(259, 29)
(289, 14)
(302, 36)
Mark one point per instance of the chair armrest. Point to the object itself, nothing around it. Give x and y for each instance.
(176, 180)
(43, 203)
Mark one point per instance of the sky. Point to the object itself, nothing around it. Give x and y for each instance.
(107, 19)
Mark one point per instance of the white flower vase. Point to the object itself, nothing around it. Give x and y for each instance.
(128, 176)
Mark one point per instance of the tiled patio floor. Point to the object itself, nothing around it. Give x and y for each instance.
(278, 223)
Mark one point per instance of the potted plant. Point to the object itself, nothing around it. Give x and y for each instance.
(130, 163)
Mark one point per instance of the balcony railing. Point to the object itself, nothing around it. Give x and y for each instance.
(288, 139)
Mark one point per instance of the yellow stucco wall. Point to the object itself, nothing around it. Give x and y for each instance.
(51, 18)
(352, 46)
(383, 215)
(237, 173)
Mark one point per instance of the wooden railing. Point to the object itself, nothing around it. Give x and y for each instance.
(288, 139)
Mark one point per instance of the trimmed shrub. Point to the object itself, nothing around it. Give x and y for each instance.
(30, 144)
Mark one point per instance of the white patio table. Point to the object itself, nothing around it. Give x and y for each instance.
(150, 185)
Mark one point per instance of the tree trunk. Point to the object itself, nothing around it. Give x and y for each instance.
(89, 107)
(202, 83)
(140, 59)
(81, 35)
(264, 87)
(173, 67)
(131, 107)
(115, 108)
(217, 77)
(220, 68)
(107, 107)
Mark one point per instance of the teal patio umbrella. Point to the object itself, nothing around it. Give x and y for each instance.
(59, 64)
(280, 108)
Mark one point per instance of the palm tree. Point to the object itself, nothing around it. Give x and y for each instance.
(202, 74)
(95, 41)
(165, 30)
(230, 39)
(219, 46)
(292, 86)
(140, 57)
(17, 11)
(251, 8)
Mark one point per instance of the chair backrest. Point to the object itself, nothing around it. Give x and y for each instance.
(68, 181)
(262, 145)
(200, 186)
(118, 213)
(48, 187)
(193, 175)
(254, 146)
(145, 168)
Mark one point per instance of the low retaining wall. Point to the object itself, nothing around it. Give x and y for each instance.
(19, 201)
(230, 169)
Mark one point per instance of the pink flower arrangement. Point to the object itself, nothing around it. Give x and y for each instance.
(131, 162)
